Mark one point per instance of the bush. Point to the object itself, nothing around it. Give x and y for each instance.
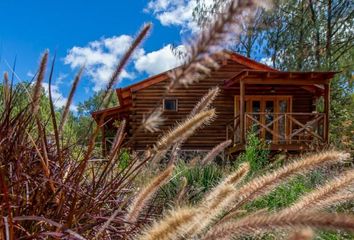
(255, 153)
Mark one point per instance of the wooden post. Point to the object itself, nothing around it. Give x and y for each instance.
(242, 111)
(103, 141)
(327, 97)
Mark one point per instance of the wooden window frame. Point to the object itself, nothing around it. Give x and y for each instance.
(170, 99)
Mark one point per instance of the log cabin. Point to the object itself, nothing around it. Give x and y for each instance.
(280, 107)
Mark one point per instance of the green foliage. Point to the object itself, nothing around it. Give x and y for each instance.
(93, 103)
(83, 119)
(200, 179)
(255, 153)
(284, 195)
(124, 159)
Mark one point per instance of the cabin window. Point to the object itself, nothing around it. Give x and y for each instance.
(170, 104)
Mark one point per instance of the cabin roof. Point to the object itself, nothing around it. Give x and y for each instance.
(238, 58)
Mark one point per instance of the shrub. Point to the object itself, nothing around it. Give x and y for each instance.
(255, 153)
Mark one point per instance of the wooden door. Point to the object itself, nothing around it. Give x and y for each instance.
(269, 112)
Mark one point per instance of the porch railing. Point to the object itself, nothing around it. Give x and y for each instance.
(280, 128)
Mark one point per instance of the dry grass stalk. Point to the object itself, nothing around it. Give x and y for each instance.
(215, 152)
(153, 122)
(106, 97)
(179, 134)
(6, 89)
(237, 176)
(37, 90)
(182, 192)
(200, 62)
(217, 200)
(117, 140)
(44, 162)
(184, 130)
(206, 101)
(41, 220)
(320, 196)
(302, 234)
(123, 62)
(147, 193)
(254, 225)
(339, 198)
(70, 99)
(167, 228)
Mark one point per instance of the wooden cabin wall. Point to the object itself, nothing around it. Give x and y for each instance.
(207, 137)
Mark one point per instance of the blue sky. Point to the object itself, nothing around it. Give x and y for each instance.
(95, 32)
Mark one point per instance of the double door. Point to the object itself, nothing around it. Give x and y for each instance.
(265, 115)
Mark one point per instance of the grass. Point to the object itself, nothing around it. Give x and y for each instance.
(199, 179)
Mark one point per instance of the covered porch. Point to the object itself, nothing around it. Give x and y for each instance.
(266, 104)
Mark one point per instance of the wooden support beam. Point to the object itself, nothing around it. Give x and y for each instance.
(242, 112)
(104, 147)
(239, 77)
(303, 82)
(327, 98)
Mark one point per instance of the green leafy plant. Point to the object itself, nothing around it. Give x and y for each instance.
(256, 153)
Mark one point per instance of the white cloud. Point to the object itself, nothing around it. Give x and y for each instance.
(100, 58)
(158, 61)
(267, 61)
(60, 78)
(59, 100)
(176, 12)
(30, 74)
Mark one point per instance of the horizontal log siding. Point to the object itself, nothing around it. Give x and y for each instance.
(147, 99)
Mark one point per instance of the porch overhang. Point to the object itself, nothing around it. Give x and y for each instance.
(316, 79)
(111, 113)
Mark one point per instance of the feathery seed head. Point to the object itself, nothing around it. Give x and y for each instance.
(184, 130)
(205, 102)
(264, 184)
(319, 197)
(215, 151)
(147, 193)
(239, 174)
(200, 62)
(38, 84)
(171, 227)
(302, 234)
(153, 121)
(255, 224)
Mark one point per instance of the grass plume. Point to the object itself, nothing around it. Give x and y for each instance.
(184, 130)
(215, 152)
(167, 228)
(263, 184)
(254, 225)
(37, 89)
(70, 99)
(147, 193)
(204, 52)
(320, 196)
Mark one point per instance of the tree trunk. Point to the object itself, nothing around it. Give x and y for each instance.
(329, 32)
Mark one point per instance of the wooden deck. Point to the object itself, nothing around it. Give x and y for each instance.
(280, 131)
